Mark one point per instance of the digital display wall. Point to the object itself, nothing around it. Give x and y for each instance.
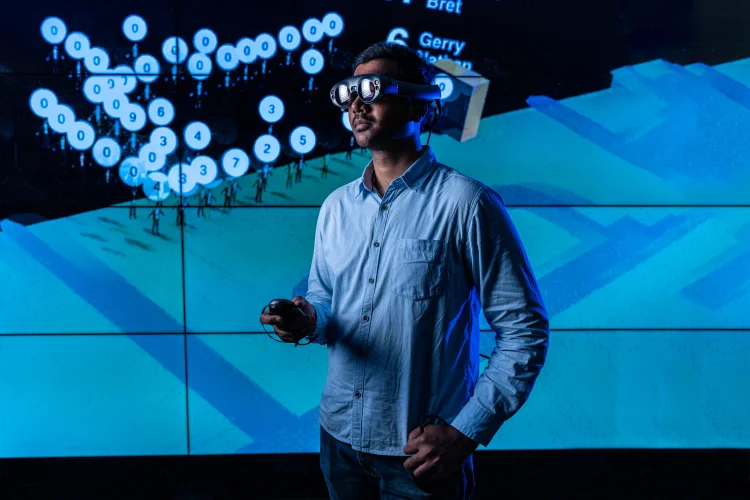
(162, 166)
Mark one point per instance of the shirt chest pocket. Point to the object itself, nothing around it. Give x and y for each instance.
(419, 268)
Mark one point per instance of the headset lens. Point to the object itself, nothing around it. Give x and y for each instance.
(367, 90)
(343, 97)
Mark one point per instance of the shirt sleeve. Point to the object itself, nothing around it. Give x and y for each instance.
(319, 283)
(510, 298)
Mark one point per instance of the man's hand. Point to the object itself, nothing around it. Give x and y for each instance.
(293, 330)
(438, 452)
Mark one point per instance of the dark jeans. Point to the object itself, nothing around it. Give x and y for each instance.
(356, 475)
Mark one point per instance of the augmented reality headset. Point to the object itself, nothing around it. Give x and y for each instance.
(372, 87)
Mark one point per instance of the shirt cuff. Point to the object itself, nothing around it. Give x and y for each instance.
(319, 335)
(477, 423)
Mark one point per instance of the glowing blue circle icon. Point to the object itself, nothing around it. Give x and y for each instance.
(107, 152)
(62, 119)
(97, 90)
(312, 61)
(77, 45)
(126, 81)
(132, 171)
(271, 109)
(81, 135)
(96, 60)
(333, 24)
(42, 102)
(445, 83)
(205, 41)
(199, 66)
(160, 112)
(147, 68)
(267, 148)
(156, 186)
(346, 121)
(227, 58)
(133, 117)
(235, 162)
(313, 30)
(115, 105)
(246, 51)
(152, 157)
(182, 178)
(290, 38)
(134, 28)
(175, 50)
(164, 139)
(197, 136)
(54, 30)
(205, 169)
(302, 140)
(265, 45)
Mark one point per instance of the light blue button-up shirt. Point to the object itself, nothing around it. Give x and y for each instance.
(397, 284)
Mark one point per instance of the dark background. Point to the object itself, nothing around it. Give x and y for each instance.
(534, 47)
(551, 47)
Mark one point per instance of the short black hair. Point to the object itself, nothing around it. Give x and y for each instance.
(412, 67)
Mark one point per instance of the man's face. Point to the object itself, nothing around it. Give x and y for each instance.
(377, 125)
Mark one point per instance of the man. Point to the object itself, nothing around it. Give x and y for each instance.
(404, 258)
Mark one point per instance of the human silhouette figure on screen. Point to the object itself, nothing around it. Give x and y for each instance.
(404, 258)
(156, 214)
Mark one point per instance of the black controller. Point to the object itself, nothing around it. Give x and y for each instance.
(285, 308)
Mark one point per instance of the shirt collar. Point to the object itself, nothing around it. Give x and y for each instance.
(413, 178)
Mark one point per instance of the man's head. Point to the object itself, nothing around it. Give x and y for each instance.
(392, 118)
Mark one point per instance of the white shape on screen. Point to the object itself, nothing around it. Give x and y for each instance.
(266, 46)
(235, 162)
(333, 24)
(205, 41)
(106, 152)
(62, 119)
(132, 171)
(133, 117)
(54, 30)
(302, 140)
(227, 58)
(160, 112)
(96, 60)
(152, 157)
(147, 68)
(164, 139)
(134, 28)
(156, 186)
(81, 135)
(42, 102)
(289, 38)
(312, 30)
(246, 51)
(182, 177)
(267, 148)
(271, 109)
(205, 169)
(312, 61)
(197, 136)
(199, 65)
(77, 45)
(175, 50)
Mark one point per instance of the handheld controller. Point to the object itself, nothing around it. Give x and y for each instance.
(285, 308)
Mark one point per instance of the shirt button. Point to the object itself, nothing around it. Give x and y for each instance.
(384, 207)
(357, 394)
(376, 244)
(371, 280)
(366, 318)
